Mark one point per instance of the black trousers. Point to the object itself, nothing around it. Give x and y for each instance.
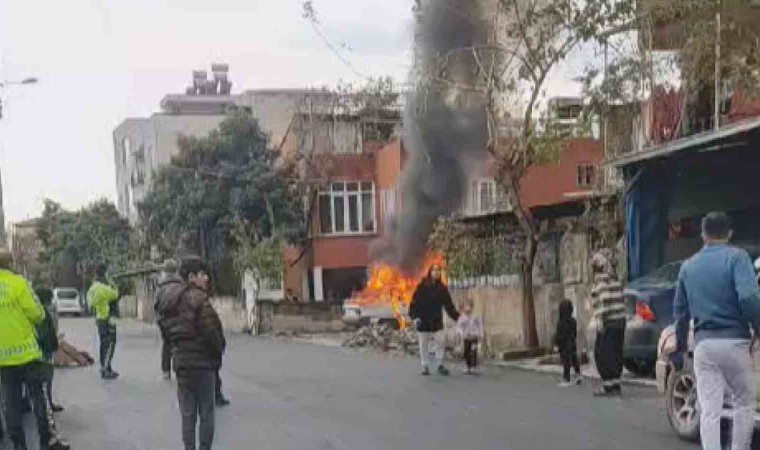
(196, 390)
(107, 333)
(570, 360)
(608, 353)
(471, 352)
(166, 352)
(218, 390)
(34, 376)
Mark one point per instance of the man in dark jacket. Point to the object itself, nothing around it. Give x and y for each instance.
(169, 280)
(47, 337)
(195, 333)
(428, 302)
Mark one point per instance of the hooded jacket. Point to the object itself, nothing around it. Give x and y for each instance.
(192, 326)
(166, 285)
(566, 335)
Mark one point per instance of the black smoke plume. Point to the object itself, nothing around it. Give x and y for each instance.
(445, 129)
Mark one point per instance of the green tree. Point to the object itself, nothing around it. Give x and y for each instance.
(75, 243)
(217, 181)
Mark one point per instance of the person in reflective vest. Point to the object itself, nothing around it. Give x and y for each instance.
(102, 298)
(21, 359)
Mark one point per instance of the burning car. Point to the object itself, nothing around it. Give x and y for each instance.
(356, 314)
(387, 295)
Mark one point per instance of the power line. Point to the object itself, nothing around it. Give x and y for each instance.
(335, 50)
(310, 16)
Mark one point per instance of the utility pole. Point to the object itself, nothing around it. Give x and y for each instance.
(718, 90)
(3, 85)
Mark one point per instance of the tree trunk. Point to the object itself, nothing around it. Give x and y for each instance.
(525, 219)
(530, 331)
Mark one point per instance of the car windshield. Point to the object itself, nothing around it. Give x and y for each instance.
(67, 295)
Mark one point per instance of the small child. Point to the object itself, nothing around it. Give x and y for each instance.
(566, 339)
(471, 330)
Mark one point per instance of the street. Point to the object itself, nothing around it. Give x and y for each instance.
(301, 396)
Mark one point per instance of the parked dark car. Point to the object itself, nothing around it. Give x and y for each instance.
(649, 307)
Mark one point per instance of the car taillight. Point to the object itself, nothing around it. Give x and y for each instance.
(644, 311)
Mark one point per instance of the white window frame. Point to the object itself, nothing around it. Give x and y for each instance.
(474, 205)
(346, 194)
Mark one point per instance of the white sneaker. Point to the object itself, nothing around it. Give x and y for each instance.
(565, 384)
(577, 380)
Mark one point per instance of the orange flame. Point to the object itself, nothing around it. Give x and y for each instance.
(389, 285)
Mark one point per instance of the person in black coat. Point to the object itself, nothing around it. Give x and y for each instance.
(426, 310)
(197, 341)
(566, 340)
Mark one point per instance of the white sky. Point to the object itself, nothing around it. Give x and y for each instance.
(101, 61)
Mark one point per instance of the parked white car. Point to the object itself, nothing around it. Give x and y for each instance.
(68, 301)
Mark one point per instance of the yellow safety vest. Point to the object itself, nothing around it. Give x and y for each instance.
(19, 313)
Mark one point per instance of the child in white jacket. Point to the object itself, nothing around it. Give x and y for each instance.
(470, 328)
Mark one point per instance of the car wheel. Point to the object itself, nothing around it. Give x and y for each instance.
(682, 405)
(640, 367)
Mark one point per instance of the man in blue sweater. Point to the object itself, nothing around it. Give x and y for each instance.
(717, 289)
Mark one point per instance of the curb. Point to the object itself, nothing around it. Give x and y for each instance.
(530, 366)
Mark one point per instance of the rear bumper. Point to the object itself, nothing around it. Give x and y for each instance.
(641, 339)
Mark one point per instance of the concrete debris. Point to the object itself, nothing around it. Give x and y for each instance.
(69, 356)
(384, 337)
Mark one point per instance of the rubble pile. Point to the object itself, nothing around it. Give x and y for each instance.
(384, 337)
(69, 356)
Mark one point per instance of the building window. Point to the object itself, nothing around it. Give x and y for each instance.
(347, 208)
(586, 174)
(486, 197)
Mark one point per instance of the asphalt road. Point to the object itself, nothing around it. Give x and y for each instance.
(302, 397)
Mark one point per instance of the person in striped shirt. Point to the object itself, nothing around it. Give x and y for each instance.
(608, 306)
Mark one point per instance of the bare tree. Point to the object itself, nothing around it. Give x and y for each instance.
(526, 43)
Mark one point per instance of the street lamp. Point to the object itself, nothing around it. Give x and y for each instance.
(30, 80)
(3, 85)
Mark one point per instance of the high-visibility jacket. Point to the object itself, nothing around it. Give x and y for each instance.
(100, 296)
(20, 312)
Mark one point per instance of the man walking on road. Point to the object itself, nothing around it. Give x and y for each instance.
(717, 289)
(21, 359)
(101, 297)
(169, 281)
(195, 332)
(608, 307)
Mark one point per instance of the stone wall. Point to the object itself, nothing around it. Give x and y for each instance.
(561, 273)
(501, 310)
(232, 312)
(128, 306)
(300, 317)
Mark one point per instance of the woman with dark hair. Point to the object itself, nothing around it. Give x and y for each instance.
(426, 310)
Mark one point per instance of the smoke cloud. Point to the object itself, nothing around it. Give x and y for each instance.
(445, 129)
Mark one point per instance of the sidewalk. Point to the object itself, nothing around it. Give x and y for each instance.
(528, 364)
(588, 371)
